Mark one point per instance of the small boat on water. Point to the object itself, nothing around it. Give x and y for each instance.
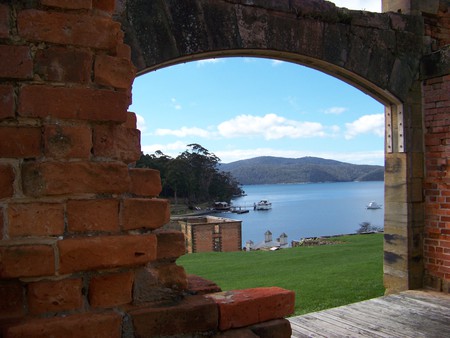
(262, 205)
(221, 206)
(373, 205)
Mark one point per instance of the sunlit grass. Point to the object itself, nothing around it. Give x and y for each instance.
(321, 276)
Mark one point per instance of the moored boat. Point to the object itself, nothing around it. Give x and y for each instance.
(373, 205)
(262, 205)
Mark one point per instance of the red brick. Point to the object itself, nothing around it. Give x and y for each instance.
(2, 225)
(191, 315)
(104, 5)
(278, 328)
(200, 286)
(55, 296)
(85, 325)
(67, 141)
(68, 4)
(103, 252)
(172, 276)
(171, 244)
(69, 29)
(64, 65)
(73, 103)
(26, 261)
(7, 177)
(12, 303)
(4, 21)
(111, 290)
(131, 121)
(113, 71)
(93, 215)
(117, 142)
(59, 178)
(6, 101)
(16, 62)
(20, 142)
(145, 182)
(123, 51)
(239, 308)
(144, 213)
(35, 219)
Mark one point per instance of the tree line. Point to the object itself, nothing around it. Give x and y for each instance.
(192, 176)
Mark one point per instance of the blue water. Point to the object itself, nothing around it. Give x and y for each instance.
(307, 210)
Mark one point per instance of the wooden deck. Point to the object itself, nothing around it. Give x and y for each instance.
(407, 314)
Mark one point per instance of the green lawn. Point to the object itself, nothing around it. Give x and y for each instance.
(321, 276)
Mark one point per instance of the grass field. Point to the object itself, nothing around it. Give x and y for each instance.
(322, 276)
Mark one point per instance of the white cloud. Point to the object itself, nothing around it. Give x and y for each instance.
(208, 61)
(184, 132)
(366, 5)
(366, 124)
(175, 104)
(140, 121)
(276, 63)
(335, 110)
(269, 126)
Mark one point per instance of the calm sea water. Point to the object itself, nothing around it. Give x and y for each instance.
(307, 210)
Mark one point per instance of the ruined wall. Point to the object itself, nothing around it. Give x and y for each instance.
(80, 250)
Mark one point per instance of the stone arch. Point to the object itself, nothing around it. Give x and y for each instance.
(377, 53)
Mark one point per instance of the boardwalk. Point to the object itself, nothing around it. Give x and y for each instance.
(408, 314)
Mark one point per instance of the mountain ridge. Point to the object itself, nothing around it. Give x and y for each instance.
(274, 170)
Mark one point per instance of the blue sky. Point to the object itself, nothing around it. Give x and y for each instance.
(240, 108)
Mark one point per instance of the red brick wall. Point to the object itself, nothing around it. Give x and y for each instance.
(231, 237)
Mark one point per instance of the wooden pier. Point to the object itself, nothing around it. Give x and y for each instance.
(408, 314)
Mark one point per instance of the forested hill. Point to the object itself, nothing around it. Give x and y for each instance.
(273, 170)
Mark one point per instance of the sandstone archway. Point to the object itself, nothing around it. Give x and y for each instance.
(378, 53)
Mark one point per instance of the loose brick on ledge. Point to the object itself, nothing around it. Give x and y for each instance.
(172, 276)
(35, 219)
(59, 64)
(113, 71)
(146, 213)
(22, 142)
(192, 314)
(7, 177)
(93, 215)
(16, 62)
(67, 142)
(6, 101)
(145, 182)
(12, 304)
(98, 325)
(68, 4)
(26, 261)
(4, 21)
(59, 178)
(131, 121)
(278, 328)
(117, 142)
(73, 103)
(239, 308)
(105, 252)
(55, 296)
(111, 290)
(171, 244)
(70, 29)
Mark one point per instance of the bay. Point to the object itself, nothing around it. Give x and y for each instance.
(308, 210)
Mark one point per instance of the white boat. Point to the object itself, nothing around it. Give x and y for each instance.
(262, 205)
(373, 205)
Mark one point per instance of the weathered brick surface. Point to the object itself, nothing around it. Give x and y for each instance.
(117, 142)
(145, 182)
(4, 21)
(172, 276)
(200, 286)
(16, 62)
(6, 101)
(60, 64)
(113, 71)
(104, 252)
(58, 178)
(73, 103)
(64, 142)
(20, 142)
(104, 5)
(7, 177)
(144, 213)
(278, 328)
(93, 215)
(171, 244)
(70, 29)
(111, 290)
(190, 315)
(86, 325)
(12, 304)
(35, 219)
(26, 261)
(241, 308)
(55, 296)
(68, 4)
